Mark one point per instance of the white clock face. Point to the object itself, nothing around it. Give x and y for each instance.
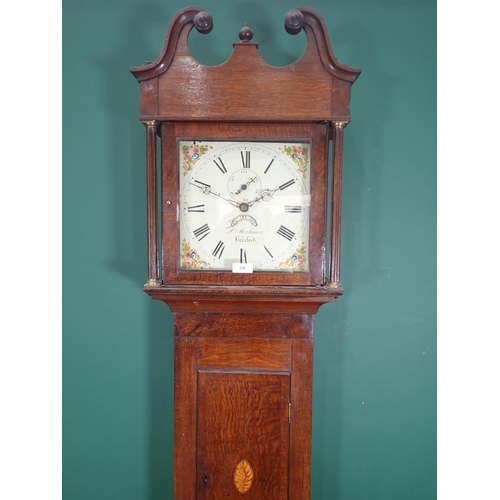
(244, 202)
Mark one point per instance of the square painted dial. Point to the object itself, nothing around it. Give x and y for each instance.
(245, 203)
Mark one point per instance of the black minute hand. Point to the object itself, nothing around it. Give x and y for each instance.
(207, 190)
(265, 194)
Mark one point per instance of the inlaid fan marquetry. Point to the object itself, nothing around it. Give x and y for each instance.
(243, 476)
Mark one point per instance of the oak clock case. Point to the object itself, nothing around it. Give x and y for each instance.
(238, 249)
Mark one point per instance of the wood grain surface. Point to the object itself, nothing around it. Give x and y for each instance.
(242, 416)
(244, 325)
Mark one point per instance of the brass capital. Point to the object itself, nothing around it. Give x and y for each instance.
(340, 125)
(149, 123)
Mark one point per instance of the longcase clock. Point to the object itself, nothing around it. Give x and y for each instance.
(238, 250)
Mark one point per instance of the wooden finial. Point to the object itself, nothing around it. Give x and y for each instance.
(245, 34)
(203, 22)
(294, 20)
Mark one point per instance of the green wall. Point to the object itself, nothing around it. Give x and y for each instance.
(374, 403)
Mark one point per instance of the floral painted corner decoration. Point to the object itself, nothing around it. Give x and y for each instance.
(299, 155)
(190, 259)
(191, 154)
(297, 261)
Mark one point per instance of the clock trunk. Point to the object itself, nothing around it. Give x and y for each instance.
(243, 394)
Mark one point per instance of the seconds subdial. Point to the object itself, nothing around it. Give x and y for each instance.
(244, 185)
